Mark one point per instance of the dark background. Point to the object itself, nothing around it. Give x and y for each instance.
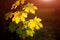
(48, 12)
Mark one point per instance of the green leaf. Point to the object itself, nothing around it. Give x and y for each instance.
(19, 31)
(30, 33)
(12, 27)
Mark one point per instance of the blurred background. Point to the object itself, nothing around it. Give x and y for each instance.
(48, 11)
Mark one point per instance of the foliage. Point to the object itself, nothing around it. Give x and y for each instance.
(20, 23)
(30, 8)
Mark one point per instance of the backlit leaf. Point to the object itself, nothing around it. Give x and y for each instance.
(8, 15)
(19, 16)
(17, 3)
(30, 8)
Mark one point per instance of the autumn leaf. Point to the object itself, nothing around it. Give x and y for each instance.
(40, 25)
(31, 24)
(17, 3)
(37, 19)
(8, 15)
(37, 27)
(14, 6)
(23, 16)
(30, 8)
(35, 24)
(19, 16)
(16, 17)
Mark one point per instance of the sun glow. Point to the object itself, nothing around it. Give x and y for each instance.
(47, 0)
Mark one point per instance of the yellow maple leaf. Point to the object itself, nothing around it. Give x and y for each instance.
(40, 25)
(17, 3)
(31, 24)
(8, 15)
(35, 23)
(37, 27)
(37, 19)
(17, 13)
(24, 14)
(22, 18)
(16, 19)
(19, 16)
(30, 8)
